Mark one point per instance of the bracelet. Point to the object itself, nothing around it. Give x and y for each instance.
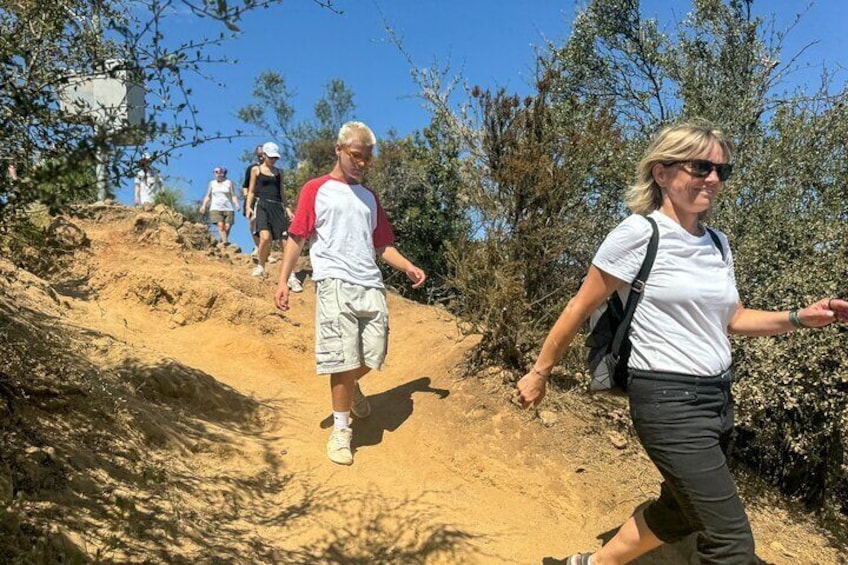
(795, 319)
(540, 373)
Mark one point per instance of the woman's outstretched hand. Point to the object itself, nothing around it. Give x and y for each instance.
(824, 312)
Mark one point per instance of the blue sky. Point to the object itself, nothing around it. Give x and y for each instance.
(488, 43)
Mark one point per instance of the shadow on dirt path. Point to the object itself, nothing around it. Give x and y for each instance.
(389, 410)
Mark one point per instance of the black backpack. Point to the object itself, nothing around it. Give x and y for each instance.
(609, 326)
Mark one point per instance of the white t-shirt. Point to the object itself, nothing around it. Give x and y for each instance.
(680, 325)
(345, 224)
(147, 184)
(220, 195)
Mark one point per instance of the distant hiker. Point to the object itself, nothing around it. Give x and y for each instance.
(680, 376)
(221, 199)
(266, 203)
(345, 226)
(148, 183)
(245, 186)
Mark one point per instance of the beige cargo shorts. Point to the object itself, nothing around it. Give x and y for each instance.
(351, 326)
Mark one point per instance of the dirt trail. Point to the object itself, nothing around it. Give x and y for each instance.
(446, 470)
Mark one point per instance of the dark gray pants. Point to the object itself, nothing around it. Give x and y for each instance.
(684, 423)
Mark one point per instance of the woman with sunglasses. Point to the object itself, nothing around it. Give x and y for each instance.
(679, 371)
(221, 199)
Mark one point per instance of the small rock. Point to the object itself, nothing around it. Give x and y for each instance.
(618, 441)
(779, 547)
(548, 418)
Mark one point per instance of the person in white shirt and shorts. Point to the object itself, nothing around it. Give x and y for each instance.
(346, 228)
(222, 201)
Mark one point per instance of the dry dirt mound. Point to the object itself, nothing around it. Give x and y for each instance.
(158, 409)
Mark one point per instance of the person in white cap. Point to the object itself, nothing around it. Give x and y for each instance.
(266, 206)
(347, 228)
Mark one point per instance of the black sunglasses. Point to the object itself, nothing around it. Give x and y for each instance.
(702, 168)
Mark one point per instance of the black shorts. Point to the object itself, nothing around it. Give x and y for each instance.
(270, 215)
(685, 424)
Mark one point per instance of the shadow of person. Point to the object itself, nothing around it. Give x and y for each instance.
(389, 410)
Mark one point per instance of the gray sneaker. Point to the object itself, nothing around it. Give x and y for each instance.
(338, 448)
(361, 408)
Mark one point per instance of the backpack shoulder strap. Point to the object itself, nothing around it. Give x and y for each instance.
(717, 240)
(636, 287)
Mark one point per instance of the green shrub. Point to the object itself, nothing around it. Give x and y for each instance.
(173, 199)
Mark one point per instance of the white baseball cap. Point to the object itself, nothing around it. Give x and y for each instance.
(271, 149)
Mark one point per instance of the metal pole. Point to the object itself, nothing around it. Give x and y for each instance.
(102, 171)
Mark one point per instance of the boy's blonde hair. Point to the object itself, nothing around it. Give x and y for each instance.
(356, 130)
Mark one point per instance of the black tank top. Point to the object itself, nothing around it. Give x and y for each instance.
(269, 187)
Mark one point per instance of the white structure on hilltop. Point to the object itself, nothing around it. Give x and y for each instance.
(112, 100)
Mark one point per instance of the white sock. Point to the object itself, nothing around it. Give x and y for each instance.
(341, 419)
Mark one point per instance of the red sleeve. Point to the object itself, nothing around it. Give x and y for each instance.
(383, 234)
(303, 223)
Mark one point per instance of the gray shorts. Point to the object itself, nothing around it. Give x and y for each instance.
(351, 326)
(221, 217)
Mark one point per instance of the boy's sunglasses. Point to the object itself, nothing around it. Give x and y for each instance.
(702, 168)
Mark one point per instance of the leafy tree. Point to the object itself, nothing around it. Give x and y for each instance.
(789, 229)
(174, 199)
(541, 203)
(418, 181)
(316, 140)
(271, 114)
(307, 146)
(44, 45)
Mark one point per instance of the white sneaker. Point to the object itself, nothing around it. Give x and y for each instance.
(338, 448)
(258, 271)
(294, 284)
(272, 259)
(361, 408)
(254, 255)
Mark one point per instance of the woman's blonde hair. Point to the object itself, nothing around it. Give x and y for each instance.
(356, 130)
(679, 142)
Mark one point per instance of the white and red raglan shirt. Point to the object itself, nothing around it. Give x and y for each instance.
(344, 224)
